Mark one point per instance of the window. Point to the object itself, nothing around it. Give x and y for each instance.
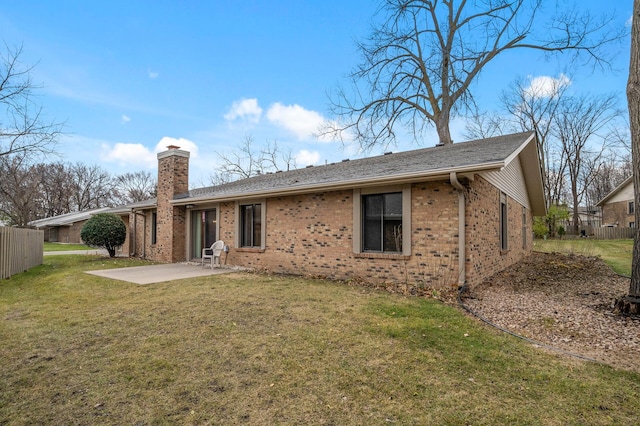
(503, 221)
(251, 225)
(632, 208)
(154, 227)
(382, 222)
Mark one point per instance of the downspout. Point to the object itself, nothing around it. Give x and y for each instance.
(462, 243)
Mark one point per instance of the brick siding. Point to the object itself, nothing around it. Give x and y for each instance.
(173, 179)
(617, 214)
(312, 235)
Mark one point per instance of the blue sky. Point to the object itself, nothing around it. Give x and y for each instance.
(131, 77)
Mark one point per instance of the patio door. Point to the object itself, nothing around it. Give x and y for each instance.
(203, 230)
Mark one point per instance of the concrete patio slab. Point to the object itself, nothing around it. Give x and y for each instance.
(159, 273)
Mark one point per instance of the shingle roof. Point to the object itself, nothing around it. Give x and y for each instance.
(462, 157)
(66, 219)
(126, 208)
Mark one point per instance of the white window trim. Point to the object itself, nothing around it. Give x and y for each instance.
(263, 219)
(406, 215)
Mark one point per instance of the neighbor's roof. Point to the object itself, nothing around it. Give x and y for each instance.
(402, 167)
(66, 219)
(614, 191)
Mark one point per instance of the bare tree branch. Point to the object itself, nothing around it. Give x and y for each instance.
(23, 127)
(419, 62)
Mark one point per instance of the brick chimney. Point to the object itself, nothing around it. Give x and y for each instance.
(173, 179)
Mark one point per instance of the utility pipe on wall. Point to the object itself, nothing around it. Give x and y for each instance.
(462, 243)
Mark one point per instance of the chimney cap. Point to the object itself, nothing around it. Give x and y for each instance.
(173, 147)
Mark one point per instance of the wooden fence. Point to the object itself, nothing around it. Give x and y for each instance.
(613, 233)
(20, 249)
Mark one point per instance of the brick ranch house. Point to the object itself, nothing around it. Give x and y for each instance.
(439, 216)
(618, 207)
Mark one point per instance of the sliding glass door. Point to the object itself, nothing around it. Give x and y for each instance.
(203, 230)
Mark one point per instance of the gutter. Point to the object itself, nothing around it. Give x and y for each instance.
(462, 243)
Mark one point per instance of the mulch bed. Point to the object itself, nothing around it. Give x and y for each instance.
(564, 301)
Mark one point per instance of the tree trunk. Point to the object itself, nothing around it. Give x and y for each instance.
(442, 127)
(631, 304)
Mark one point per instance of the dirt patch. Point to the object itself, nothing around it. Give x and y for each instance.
(564, 301)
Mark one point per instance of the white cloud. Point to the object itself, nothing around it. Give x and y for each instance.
(128, 154)
(545, 86)
(307, 158)
(184, 144)
(629, 22)
(301, 122)
(152, 74)
(136, 154)
(125, 118)
(245, 109)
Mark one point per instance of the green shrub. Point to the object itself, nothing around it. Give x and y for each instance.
(105, 230)
(540, 227)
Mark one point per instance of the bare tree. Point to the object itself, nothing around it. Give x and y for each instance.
(134, 186)
(24, 129)
(633, 96)
(55, 189)
(531, 106)
(19, 190)
(91, 187)
(576, 126)
(607, 174)
(249, 160)
(420, 61)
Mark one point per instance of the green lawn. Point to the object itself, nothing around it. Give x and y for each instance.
(616, 253)
(64, 247)
(259, 349)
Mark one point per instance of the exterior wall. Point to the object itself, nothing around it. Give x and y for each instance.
(624, 193)
(144, 232)
(312, 235)
(126, 247)
(71, 233)
(140, 245)
(484, 254)
(617, 214)
(173, 179)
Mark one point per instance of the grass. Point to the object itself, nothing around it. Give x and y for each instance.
(616, 253)
(259, 349)
(64, 247)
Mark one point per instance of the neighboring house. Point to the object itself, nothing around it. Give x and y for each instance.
(618, 207)
(439, 216)
(588, 218)
(65, 228)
